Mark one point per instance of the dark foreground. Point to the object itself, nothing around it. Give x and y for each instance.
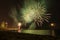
(7, 35)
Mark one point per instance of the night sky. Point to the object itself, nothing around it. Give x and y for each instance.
(4, 8)
(55, 11)
(5, 5)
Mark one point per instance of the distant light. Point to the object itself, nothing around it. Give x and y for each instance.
(19, 24)
(52, 24)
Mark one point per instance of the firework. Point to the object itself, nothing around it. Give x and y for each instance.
(35, 11)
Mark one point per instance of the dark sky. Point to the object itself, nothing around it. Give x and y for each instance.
(5, 5)
(55, 11)
(4, 10)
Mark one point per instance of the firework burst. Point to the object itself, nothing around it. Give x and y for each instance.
(35, 11)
